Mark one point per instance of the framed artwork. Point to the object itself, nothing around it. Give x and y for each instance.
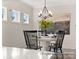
(61, 25)
(15, 16)
(24, 18)
(4, 14)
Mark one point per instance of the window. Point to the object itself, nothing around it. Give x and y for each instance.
(24, 18)
(4, 13)
(15, 16)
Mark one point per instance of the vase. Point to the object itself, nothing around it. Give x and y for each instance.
(45, 32)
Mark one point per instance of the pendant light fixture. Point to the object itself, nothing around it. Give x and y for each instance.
(45, 13)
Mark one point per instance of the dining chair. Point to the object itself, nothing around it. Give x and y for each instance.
(31, 40)
(58, 44)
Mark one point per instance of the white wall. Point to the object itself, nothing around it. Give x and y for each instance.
(58, 13)
(12, 33)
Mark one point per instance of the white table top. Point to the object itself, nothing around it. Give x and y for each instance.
(18, 53)
(47, 38)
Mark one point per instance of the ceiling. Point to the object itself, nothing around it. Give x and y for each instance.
(59, 8)
(50, 3)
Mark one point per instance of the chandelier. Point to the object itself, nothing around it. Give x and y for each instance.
(45, 13)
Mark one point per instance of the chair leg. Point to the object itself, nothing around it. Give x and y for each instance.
(50, 49)
(61, 50)
(54, 50)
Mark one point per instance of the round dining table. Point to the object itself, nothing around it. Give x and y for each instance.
(45, 41)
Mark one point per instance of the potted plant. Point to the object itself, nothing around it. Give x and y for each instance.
(44, 24)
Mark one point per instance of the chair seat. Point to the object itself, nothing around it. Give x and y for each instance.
(36, 47)
(53, 46)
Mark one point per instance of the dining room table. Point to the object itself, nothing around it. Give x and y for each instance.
(21, 53)
(46, 40)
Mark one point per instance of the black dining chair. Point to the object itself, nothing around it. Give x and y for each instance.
(31, 40)
(58, 44)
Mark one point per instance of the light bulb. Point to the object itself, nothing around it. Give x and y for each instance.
(40, 14)
(50, 12)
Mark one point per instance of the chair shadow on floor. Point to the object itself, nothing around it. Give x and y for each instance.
(57, 56)
(63, 56)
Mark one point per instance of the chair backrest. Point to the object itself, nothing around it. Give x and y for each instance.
(31, 38)
(60, 38)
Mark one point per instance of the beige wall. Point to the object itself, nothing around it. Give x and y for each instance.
(12, 33)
